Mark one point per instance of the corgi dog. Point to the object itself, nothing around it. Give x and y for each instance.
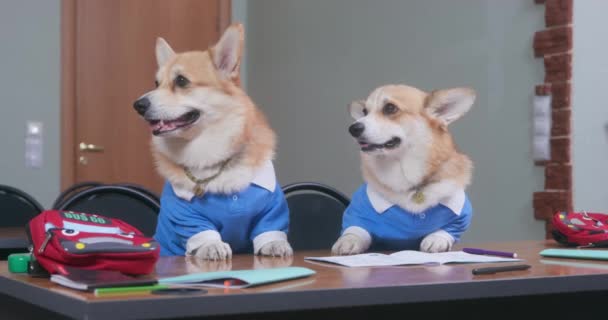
(415, 177)
(215, 149)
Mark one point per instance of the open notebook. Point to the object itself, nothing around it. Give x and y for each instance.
(408, 257)
(239, 278)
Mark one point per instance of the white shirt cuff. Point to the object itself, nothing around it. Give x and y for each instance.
(266, 237)
(197, 240)
(362, 234)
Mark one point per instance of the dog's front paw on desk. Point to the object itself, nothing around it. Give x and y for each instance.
(277, 248)
(216, 250)
(439, 241)
(348, 244)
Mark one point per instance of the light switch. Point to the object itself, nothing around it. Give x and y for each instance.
(33, 144)
(541, 121)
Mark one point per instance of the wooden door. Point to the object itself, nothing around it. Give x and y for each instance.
(108, 61)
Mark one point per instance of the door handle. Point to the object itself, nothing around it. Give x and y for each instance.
(88, 147)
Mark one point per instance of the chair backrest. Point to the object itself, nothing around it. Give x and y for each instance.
(117, 201)
(17, 207)
(315, 215)
(73, 189)
(141, 188)
(67, 193)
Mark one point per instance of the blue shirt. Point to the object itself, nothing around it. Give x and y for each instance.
(393, 228)
(239, 217)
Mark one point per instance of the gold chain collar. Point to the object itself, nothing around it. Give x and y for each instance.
(200, 184)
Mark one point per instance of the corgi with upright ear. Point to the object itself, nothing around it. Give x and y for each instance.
(415, 177)
(215, 149)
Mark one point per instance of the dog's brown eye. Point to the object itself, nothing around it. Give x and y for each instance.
(181, 81)
(389, 108)
(156, 83)
(364, 111)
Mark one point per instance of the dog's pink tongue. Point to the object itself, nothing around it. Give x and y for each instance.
(163, 125)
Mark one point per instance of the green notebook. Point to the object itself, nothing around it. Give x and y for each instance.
(576, 254)
(239, 278)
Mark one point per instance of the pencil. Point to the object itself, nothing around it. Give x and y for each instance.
(116, 290)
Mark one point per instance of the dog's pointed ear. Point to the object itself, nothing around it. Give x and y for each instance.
(357, 109)
(448, 105)
(163, 52)
(228, 50)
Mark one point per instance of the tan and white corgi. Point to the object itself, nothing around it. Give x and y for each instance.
(215, 149)
(413, 196)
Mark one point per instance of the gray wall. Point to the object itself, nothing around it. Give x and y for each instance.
(589, 109)
(29, 90)
(239, 15)
(308, 59)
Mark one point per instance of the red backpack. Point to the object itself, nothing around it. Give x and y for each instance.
(581, 229)
(90, 241)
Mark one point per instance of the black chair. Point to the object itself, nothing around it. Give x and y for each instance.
(129, 204)
(141, 188)
(17, 207)
(315, 213)
(70, 191)
(67, 193)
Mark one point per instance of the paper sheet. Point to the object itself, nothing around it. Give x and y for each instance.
(408, 257)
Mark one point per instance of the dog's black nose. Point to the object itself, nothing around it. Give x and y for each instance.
(356, 129)
(142, 105)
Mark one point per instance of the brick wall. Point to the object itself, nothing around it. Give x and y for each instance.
(554, 46)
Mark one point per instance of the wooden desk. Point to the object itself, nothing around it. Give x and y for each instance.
(438, 289)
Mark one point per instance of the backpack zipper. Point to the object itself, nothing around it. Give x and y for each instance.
(48, 237)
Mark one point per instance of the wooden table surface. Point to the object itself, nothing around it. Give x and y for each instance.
(337, 286)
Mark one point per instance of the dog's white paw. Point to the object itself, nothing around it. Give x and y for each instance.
(277, 248)
(436, 243)
(348, 244)
(214, 250)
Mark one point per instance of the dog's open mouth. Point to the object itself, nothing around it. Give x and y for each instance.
(159, 126)
(390, 144)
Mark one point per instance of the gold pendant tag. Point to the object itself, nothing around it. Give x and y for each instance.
(418, 197)
(198, 190)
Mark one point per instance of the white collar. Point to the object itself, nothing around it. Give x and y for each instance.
(265, 177)
(454, 202)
